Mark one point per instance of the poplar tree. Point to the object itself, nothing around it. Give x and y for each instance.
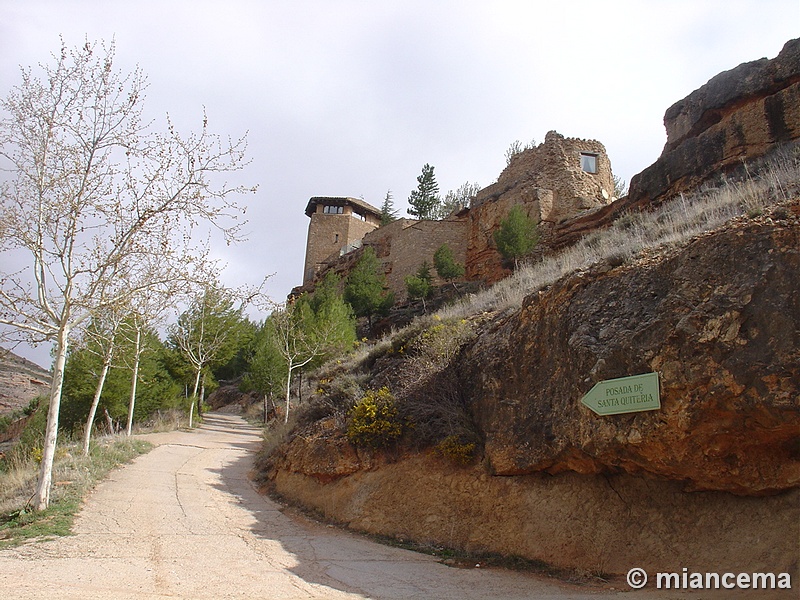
(90, 193)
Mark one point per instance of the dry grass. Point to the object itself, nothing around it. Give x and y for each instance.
(163, 420)
(73, 476)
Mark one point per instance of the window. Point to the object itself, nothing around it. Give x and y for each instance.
(589, 162)
(336, 238)
(333, 210)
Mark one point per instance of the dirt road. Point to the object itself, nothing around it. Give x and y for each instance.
(184, 522)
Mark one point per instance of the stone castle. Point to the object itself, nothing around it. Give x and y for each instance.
(556, 180)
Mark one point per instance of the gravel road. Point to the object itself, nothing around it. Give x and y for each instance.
(184, 521)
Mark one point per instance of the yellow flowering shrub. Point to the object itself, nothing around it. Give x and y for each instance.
(374, 420)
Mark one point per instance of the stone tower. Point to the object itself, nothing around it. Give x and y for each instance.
(337, 224)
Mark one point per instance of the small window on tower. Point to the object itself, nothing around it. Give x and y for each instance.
(589, 162)
(336, 238)
(333, 210)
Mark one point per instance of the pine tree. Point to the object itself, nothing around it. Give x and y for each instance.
(446, 266)
(425, 200)
(388, 211)
(420, 284)
(517, 235)
(364, 290)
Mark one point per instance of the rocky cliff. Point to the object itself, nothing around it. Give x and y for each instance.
(713, 475)
(738, 117)
(718, 318)
(20, 382)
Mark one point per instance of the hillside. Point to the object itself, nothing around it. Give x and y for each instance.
(20, 382)
(716, 315)
(495, 450)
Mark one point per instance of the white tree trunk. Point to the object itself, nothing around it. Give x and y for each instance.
(288, 393)
(87, 430)
(109, 422)
(137, 356)
(41, 498)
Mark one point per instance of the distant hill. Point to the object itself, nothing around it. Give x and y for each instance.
(20, 381)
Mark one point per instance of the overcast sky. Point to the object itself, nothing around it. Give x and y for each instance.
(351, 98)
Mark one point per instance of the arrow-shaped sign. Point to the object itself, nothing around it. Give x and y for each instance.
(624, 395)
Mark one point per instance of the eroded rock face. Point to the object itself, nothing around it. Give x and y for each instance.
(719, 320)
(741, 115)
(738, 115)
(549, 184)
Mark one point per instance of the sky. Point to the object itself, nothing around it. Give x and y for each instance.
(353, 97)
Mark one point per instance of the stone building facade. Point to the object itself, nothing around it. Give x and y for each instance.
(556, 180)
(337, 225)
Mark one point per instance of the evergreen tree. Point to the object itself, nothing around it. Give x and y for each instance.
(425, 200)
(517, 235)
(328, 315)
(446, 266)
(268, 370)
(365, 288)
(388, 211)
(420, 284)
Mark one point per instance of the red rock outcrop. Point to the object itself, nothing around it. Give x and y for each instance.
(739, 116)
(719, 320)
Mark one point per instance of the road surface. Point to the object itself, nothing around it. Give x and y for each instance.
(184, 521)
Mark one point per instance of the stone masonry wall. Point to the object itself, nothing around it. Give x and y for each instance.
(403, 245)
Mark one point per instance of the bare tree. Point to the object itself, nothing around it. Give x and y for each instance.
(91, 192)
(301, 337)
(207, 332)
(146, 311)
(100, 338)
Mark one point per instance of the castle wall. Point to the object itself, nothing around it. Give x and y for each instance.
(403, 245)
(549, 183)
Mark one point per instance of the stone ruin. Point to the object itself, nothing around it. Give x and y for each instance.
(558, 179)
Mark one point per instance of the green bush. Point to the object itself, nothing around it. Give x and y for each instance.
(452, 448)
(374, 421)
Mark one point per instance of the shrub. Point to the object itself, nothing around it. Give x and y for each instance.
(374, 421)
(442, 341)
(452, 448)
